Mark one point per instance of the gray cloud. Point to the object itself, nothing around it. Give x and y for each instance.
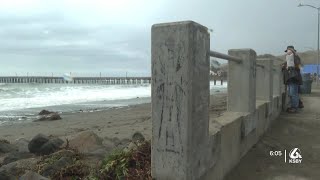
(65, 39)
(56, 43)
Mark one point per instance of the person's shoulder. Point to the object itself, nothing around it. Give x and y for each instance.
(297, 57)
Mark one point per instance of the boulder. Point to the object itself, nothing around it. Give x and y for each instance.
(22, 145)
(49, 117)
(137, 136)
(50, 169)
(63, 153)
(20, 166)
(4, 175)
(85, 142)
(6, 147)
(30, 175)
(98, 154)
(42, 145)
(45, 112)
(9, 168)
(37, 142)
(15, 156)
(51, 146)
(1, 160)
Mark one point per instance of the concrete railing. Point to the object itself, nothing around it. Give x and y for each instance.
(186, 143)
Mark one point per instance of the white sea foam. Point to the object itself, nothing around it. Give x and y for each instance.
(17, 97)
(24, 96)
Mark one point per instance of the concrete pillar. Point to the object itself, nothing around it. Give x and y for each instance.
(180, 100)
(264, 89)
(277, 81)
(242, 81)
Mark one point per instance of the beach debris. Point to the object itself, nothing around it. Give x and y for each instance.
(22, 145)
(45, 112)
(6, 147)
(50, 117)
(43, 145)
(85, 142)
(32, 175)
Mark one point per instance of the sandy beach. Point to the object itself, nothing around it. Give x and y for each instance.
(119, 123)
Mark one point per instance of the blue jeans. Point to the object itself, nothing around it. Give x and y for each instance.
(294, 96)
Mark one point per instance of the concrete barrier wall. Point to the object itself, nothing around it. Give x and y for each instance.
(186, 143)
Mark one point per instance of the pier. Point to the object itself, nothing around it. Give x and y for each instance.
(75, 80)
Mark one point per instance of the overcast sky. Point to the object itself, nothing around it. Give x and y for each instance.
(113, 36)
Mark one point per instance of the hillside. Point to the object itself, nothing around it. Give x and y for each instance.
(307, 57)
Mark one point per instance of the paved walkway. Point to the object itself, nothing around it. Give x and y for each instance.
(290, 131)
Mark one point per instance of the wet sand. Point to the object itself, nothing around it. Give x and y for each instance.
(119, 123)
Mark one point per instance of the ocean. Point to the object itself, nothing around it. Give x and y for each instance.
(22, 102)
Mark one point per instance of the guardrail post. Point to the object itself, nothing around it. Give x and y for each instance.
(264, 88)
(242, 81)
(180, 100)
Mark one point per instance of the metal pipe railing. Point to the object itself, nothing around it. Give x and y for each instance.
(225, 57)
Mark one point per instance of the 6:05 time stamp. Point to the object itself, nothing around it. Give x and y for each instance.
(294, 156)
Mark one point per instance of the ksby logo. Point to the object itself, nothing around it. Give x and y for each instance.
(295, 156)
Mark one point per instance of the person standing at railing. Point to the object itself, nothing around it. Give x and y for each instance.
(292, 78)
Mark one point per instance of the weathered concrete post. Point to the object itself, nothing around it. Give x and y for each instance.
(276, 81)
(180, 100)
(264, 89)
(242, 81)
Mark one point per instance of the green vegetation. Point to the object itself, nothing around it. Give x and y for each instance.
(64, 164)
(124, 164)
(129, 165)
(76, 171)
